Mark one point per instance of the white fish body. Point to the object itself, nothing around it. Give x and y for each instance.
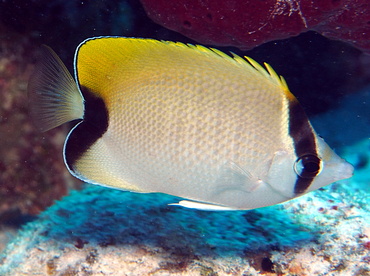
(219, 131)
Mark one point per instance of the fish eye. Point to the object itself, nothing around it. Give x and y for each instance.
(307, 166)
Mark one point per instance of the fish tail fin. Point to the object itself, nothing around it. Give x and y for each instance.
(54, 97)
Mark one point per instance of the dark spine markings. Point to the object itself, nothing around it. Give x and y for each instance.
(304, 140)
(93, 126)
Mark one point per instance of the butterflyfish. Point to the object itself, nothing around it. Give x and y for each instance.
(220, 131)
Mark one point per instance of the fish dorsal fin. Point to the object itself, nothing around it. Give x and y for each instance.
(54, 97)
(105, 62)
(269, 72)
(247, 62)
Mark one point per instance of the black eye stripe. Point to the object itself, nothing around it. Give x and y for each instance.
(304, 142)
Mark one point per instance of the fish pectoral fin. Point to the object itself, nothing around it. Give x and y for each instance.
(202, 206)
(234, 177)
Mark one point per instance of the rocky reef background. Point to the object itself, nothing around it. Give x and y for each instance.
(99, 229)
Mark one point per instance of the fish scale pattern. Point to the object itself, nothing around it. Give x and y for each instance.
(184, 125)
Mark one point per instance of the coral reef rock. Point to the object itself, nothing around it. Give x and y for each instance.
(246, 24)
(32, 171)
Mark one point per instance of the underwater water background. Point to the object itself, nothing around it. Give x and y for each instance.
(99, 231)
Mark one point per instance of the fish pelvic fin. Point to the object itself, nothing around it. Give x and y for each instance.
(202, 206)
(53, 95)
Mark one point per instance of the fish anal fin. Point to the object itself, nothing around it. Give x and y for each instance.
(101, 163)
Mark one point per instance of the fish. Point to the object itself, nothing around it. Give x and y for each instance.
(217, 130)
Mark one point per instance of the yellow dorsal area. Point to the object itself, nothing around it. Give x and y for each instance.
(103, 64)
